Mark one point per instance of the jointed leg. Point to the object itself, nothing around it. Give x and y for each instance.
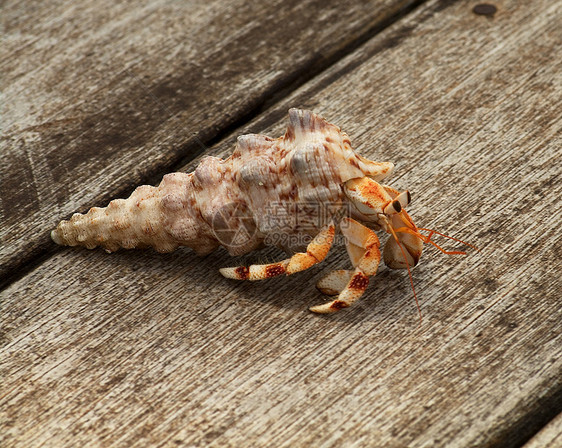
(316, 251)
(363, 249)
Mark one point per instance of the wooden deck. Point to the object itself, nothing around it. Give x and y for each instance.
(143, 349)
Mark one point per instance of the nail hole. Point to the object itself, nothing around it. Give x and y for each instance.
(484, 9)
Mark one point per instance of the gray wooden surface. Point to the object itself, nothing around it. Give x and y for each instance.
(144, 349)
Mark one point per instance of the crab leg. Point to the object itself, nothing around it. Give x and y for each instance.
(316, 251)
(363, 249)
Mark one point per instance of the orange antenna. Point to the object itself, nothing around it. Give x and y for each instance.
(409, 272)
(446, 252)
(450, 237)
(427, 239)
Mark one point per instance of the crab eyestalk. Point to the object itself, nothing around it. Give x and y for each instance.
(398, 203)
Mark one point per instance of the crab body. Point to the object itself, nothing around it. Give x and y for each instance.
(308, 183)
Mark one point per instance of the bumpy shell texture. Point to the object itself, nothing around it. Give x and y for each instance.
(264, 178)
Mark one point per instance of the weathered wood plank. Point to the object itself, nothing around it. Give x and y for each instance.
(98, 96)
(138, 348)
(549, 437)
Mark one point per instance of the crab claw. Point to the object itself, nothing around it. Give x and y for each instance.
(393, 256)
(412, 246)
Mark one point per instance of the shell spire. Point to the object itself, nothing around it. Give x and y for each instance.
(142, 220)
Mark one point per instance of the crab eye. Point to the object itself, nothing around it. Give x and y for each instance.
(393, 208)
(404, 198)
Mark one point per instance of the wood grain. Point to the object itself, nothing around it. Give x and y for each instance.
(100, 96)
(138, 348)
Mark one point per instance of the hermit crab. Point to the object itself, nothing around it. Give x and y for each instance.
(294, 192)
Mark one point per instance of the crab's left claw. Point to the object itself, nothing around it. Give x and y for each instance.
(394, 256)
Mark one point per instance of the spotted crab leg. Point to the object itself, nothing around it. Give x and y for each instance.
(363, 249)
(316, 251)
